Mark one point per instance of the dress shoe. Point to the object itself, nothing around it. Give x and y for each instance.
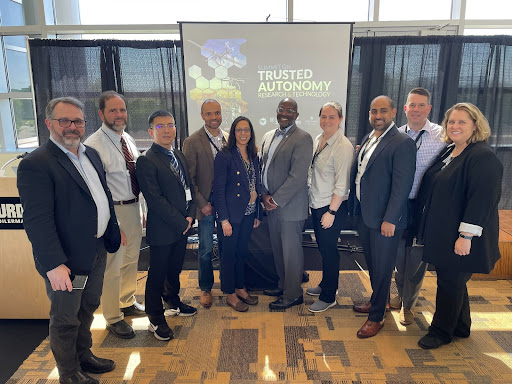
(250, 299)
(95, 364)
(78, 378)
(362, 308)
(206, 299)
(462, 334)
(273, 292)
(430, 341)
(121, 329)
(283, 303)
(395, 302)
(135, 310)
(240, 306)
(369, 329)
(406, 316)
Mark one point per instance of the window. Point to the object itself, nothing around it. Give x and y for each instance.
(488, 9)
(330, 10)
(411, 10)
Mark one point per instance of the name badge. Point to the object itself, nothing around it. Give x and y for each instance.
(188, 194)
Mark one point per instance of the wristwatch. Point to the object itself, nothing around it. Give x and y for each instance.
(331, 212)
(465, 237)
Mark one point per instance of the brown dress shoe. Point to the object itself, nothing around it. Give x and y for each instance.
(206, 299)
(369, 329)
(240, 306)
(362, 308)
(250, 299)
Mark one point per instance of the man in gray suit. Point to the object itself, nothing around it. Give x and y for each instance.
(286, 156)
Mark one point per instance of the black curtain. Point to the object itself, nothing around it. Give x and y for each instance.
(148, 73)
(453, 68)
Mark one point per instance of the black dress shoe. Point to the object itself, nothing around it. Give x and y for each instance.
(78, 378)
(283, 303)
(273, 292)
(95, 364)
(134, 311)
(430, 341)
(121, 329)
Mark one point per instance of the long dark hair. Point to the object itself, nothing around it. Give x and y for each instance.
(252, 150)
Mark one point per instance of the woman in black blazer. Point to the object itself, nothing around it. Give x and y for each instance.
(236, 189)
(459, 196)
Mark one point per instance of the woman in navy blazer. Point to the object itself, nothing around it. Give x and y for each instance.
(236, 190)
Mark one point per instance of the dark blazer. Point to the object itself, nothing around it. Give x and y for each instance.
(386, 182)
(60, 216)
(231, 186)
(164, 195)
(198, 152)
(468, 190)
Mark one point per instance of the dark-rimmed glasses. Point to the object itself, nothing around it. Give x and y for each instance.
(66, 123)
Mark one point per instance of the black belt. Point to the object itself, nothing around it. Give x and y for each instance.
(126, 201)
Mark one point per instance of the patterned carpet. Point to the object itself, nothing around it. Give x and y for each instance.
(219, 345)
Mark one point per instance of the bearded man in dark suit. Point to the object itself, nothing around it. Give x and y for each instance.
(70, 220)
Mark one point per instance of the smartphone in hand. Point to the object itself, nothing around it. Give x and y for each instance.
(78, 281)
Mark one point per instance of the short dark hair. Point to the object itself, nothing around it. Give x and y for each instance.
(208, 101)
(252, 150)
(333, 104)
(66, 100)
(420, 91)
(289, 99)
(389, 99)
(158, 113)
(106, 96)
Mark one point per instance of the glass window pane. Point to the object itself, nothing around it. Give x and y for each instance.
(330, 10)
(486, 32)
(410, 10)
(488, 9)
(25, 123)
(17, 67)
(18, 41)
(11, 13)
(170, 12)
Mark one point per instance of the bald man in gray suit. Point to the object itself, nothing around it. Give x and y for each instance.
(286, 156)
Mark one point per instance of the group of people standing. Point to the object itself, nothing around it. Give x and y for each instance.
(421, 193)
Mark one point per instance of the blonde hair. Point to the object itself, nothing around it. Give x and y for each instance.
(482, 131)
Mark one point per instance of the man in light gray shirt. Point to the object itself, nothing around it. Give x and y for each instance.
(410, 269)
(118, 154)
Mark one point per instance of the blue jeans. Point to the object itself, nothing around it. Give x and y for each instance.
(205, 230)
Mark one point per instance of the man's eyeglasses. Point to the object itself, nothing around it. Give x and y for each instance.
(287, 110)
(162, 126)
(66, 123)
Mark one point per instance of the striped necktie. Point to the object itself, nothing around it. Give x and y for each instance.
(176, 167)
(130, 165)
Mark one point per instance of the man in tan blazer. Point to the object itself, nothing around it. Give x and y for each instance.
(200, 150)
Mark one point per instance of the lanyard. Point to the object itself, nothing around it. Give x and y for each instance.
(317, 153)
(366, 149)
(214, 146)
(417, 138)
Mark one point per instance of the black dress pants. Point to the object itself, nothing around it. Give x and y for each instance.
(165, 264)
(71, 316)
(380, 255)
(327, 240)
(452, 305)
(234, 254)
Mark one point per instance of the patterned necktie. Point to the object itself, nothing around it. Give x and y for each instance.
(176, 167)
(130, 165)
